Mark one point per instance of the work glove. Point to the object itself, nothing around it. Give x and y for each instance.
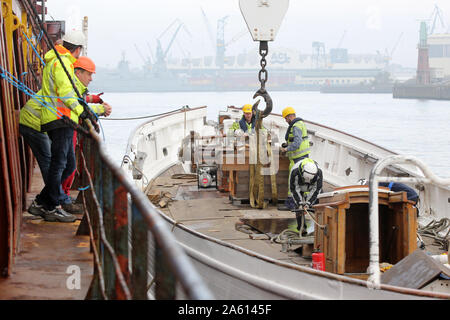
(88, 115)
(94, 98)
(304, 205)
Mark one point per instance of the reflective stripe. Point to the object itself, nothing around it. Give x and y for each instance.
(60, 105)
(304, 148)
(34, 112)
(51, 87)
(292, 154)
(73, 105)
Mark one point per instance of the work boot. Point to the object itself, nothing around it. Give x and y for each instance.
(58, 215)
(73, 208)
(36, 209)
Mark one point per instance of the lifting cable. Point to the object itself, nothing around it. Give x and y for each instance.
(12, 80)
(145, 117)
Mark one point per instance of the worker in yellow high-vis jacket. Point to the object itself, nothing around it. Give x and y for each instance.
(296, 147)
(59, 93)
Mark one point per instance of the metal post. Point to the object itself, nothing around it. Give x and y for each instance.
(429, 177)
(164, 278)
(108, 221)
(139, 240)
(121, 233)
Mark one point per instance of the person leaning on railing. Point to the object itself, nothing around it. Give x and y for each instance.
(84, 68)
(57, 92)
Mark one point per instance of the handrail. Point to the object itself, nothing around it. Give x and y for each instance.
(145, 217)
(429, 177)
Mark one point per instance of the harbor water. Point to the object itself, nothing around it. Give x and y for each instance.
(419, 128)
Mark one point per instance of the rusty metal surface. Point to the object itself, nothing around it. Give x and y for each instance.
(145, 218)
(16, 60)
(48, 249)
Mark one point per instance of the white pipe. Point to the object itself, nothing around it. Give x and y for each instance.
(430, 177)
(441, 258)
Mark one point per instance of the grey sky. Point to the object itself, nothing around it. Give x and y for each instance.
(369, 26)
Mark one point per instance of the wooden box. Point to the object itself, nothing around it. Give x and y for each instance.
(345, 240)
(235, 177)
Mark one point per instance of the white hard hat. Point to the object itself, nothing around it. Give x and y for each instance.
(75, 37)
(309, 171)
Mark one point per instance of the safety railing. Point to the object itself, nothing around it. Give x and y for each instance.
(123, 225)
(375, 178)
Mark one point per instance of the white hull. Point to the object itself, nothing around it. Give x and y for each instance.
(232, 272)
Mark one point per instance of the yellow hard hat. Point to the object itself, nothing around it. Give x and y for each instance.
(287, 111)
(247, 108)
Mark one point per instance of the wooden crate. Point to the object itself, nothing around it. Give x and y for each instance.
(345, 241)
(235, 178)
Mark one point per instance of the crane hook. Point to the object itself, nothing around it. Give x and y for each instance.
(262, 92)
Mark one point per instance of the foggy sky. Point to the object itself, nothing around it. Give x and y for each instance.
(369, 26)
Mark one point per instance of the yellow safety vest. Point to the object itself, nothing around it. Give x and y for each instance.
(57, 86)
(30, 114)
(304, 148)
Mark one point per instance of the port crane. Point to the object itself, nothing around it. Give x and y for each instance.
(436, 16)
(160, 66)
(147, 61)
(218, 44)
(388, 54)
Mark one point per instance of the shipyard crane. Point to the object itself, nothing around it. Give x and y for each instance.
(160, 66)
(220, 49)
(151, 51)
(389, 54)
(341, 40)
(338, 55)
(221, 45)
(147, 61)
(236, 37)
(319, 59)
(209, 29)
(395, 45)
(436, 15)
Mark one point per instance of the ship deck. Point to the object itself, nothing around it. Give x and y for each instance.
(47, 249)
(213, 213)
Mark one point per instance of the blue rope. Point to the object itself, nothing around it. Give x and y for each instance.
(10, 78)
(34, 49)
(40, 36)
(83, 189)
(22, 87)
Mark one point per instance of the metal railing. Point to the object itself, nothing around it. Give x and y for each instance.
(429, 177)
(121, 266)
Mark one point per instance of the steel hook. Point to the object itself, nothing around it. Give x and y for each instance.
(269, 104)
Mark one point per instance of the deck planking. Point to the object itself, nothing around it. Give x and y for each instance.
(212, 213)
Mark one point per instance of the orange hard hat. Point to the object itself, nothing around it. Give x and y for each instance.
(85, 63)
